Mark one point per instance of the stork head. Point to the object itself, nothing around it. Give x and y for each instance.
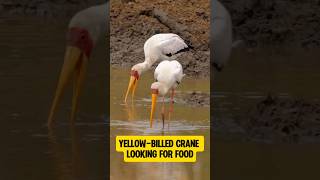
(135, 73)
(156, 89)
(160, 87)
(78, 50)
(82, 34)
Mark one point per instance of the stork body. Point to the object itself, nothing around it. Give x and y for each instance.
(168, 76)
(156, 48)
(85, 28)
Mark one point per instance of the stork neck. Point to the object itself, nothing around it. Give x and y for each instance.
(101, 18)
(93, 19)
(145, 66)
(163, 89)
(148, 62)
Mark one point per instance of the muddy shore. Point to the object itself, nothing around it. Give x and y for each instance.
(275, 120)
(133, 23)
(195, 99)
(276, 23)
(258, 23)
(44, 8)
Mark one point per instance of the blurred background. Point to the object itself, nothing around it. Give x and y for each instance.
(32, 46)
(266, 100)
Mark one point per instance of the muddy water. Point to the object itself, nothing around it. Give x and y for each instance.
(32, 51)
(133, 119)
(31, 56)
(247, 79)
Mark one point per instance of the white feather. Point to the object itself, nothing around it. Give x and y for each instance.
(94, 19)
(170, 73)
(157, 46)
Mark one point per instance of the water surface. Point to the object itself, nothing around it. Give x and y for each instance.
(32, 51)
(133, 119)
(249, 78)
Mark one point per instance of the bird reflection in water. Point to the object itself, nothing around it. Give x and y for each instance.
(131, 110)
(68, 166)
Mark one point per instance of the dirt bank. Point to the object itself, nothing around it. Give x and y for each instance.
(284, 120)
(274, 120)
(44, 8)
(134, 22)
(259, 23)
(194, 99)
(272, 22)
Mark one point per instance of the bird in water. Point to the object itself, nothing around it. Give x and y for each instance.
(158, 47)
(168, 76)
(87, 26)
(84, 30)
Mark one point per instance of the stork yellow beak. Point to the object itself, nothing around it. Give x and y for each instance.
(131, 87)
(153, 106)
(75, 62)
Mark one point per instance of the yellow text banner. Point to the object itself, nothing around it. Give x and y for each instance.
(160, 148)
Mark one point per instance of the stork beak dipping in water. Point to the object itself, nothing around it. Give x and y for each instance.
(84, 30)
(168, 75)
(157, 48)
(75, 62)
(132, 84)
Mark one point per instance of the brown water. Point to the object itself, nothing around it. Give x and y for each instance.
(32, 51)
(133, 119)
(247, 79)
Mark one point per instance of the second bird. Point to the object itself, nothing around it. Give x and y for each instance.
(168, 76)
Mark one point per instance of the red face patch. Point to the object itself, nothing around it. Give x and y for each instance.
(79, 37)
(135, 74)
(154, 91)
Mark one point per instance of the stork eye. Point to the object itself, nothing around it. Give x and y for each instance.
(177, 82)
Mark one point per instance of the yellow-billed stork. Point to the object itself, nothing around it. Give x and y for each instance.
(85, 28)
(168, 76)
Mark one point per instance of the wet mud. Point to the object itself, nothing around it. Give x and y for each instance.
(44, 8)
(275, 120)
(195, 99)
(284, 120)
(276, 23)
(133, 22)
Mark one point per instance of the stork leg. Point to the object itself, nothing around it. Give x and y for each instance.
(162, 112)
(171, 105)
(78, 81)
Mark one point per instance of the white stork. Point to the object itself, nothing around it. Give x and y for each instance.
(157, 48)
(85, 28)
(168, 76)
